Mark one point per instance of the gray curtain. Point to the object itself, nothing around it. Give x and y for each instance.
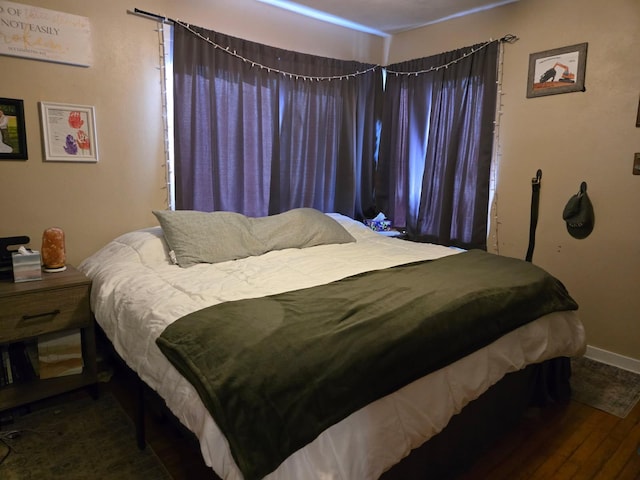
(258, 141)
(436, 146)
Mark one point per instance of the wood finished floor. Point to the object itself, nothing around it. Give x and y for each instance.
(572, 441)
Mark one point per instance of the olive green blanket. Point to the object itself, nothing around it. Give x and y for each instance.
(276, 371)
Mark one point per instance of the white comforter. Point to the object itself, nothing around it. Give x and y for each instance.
(137, 292)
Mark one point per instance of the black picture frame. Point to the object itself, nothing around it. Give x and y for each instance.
(560, 70)
(13, 140)
(638, 117)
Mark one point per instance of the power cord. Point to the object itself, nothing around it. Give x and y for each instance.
(6, 437)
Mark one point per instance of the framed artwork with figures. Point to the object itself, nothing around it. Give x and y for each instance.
(13, 141)
(69, 132)
(560, 70)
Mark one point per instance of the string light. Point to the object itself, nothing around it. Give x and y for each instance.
(497, 150)
(507, 38)
(168, 152)
(254, 63)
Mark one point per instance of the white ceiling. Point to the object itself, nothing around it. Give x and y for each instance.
(386, 17)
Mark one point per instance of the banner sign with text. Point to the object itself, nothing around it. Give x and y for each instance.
(43, 34)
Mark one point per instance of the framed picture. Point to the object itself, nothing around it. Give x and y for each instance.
(69, 132)
(638, 118)
(13, 143)
(560, 70)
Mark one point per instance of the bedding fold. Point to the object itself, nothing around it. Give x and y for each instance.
(276, 371)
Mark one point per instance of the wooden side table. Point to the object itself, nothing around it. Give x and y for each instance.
(28, 310)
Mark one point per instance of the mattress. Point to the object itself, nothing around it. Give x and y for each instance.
(137, 291)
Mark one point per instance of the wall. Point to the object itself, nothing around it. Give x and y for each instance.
(584, 136)
(95, 202)
(574, 137)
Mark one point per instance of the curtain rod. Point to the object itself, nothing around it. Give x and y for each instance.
(155, 16)
(509, 38)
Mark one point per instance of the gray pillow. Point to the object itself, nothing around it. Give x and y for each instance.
(201, 237)
(299, 228)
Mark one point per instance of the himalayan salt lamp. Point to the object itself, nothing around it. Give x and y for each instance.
(53, 250)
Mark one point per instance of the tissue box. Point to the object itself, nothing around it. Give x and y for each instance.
(26, 267)
(378, 225)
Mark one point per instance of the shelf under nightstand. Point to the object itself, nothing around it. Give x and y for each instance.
(59, 302)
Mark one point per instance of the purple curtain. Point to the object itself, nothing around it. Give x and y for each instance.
(436, 146)
(258, 141)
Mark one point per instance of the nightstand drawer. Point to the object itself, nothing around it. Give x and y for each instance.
(37, 313)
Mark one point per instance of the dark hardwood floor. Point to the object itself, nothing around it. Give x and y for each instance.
(571, 441)
(177, 448)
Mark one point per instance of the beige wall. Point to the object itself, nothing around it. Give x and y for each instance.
(93, 203)
(573, 137)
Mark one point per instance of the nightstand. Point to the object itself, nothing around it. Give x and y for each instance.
(31, 310)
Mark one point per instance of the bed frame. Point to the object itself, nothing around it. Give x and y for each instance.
(473, 431)
(466, 438)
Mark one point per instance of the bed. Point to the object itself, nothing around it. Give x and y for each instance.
(147, 286)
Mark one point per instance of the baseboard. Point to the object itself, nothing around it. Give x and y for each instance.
(610, 358)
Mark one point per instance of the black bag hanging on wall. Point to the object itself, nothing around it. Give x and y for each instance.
(578, 214)
(535, 200)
